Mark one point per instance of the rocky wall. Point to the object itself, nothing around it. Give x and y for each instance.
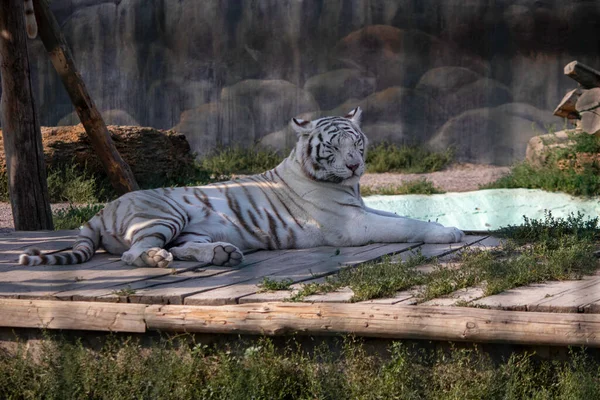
(480, 75)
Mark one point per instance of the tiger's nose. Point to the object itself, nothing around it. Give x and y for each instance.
(352, 167)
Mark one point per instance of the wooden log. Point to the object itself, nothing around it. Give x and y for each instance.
(21, 129)
(566, 107)
(118, 171)
(47, 314)
(385, 321)
(586, 76)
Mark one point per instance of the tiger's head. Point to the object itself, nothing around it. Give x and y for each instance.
(331, 149)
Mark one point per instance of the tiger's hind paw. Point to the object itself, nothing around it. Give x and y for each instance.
(227, 255)
(153, 257)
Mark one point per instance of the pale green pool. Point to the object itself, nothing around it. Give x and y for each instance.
(485, 209)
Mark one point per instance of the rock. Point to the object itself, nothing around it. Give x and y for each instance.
(588, 107)
(540, 146)
(399, 57)
(152, 154)
(217, 124)
(335, 87)
(496, 135)
(482, 93)
(405, 106)
(442, 80)
(399, 134)
(271, 102)
(111, 117)
(281, 141)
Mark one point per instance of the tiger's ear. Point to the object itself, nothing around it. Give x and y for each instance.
(301, 127)
(355, 115)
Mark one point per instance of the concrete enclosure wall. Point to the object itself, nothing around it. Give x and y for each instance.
(482, 76)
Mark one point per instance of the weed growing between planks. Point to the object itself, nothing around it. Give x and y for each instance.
(418, 186)
(121, 368)
(269, 284)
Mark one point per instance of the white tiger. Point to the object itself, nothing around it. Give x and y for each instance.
(30, 23)
(311, 199)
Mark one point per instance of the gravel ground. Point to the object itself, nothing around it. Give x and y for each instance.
(457, 178)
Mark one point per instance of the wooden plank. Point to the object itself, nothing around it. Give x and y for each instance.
(276, 262)
(463, 295)
(114, 296)
(72, 315)
(119, 275)
(103, 272)
(386, 321)
(523, 298)
(276, 295)
(342, 295)
(578, 295)
(325, 261)
(174, 293)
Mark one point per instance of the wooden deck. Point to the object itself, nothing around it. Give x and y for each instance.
(106, 294)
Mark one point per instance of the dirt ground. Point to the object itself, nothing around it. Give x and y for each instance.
(456, 178)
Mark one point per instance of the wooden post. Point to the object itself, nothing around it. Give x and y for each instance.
(21, 130)
(118, 171)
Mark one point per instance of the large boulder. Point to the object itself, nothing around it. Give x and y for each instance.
(443, 80)
(539, 147)
(397, 133)
(271, 102)
(497, 135)
(152, 154)
(404, 106)
(215, 125)
(335, 87)
(399, 57)
(482, 93)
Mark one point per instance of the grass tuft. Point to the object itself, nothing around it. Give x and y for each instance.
(74, 216)
(237, 160)
(418, 186)
(268, 284)
(387, 157)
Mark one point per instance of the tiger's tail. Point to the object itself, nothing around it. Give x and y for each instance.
(88, 241)
(30, 23)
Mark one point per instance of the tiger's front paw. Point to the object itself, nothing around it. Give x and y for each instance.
(444, 235)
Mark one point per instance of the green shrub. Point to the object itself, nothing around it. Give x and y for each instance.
(236, 160)
(417, 186)
(74, 216)
(387, 157)
(563, 171)
(121, 368)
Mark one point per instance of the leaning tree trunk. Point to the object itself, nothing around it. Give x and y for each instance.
(117, 170)
(21, 130)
